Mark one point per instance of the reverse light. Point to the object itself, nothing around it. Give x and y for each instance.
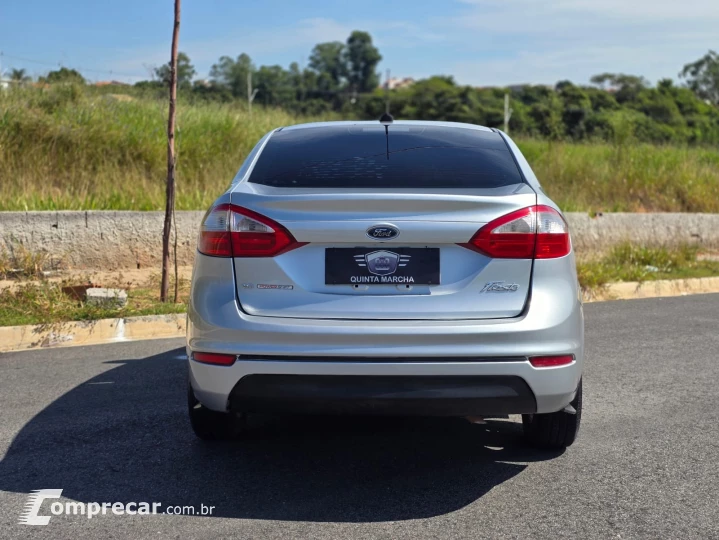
(216, 359)
(229, 230)
(535, 232)
(551, 361)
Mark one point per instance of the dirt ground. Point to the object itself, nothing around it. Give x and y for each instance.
(122, 279)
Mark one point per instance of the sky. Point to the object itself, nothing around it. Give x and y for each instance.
(479, 42)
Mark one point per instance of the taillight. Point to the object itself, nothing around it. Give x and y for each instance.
(537, 232)
(229, 230)
(551, 361)
(215, 232)
(552, 234)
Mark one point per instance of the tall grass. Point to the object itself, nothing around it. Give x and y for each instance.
(61, 148)
(626, 176)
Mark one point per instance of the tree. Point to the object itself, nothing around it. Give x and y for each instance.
(232, 74)
(327, 60)
(171, 162)
(601, 100)
(212, 92)
(151, 85)
(274, 86)
(361, 59)
(19, 76)
(703, 77)
(547, 115)
(626, 87)
(64, 75)
(185, 72)
(577, 108)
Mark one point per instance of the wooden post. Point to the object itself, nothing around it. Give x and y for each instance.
(249, 92)
(507, 112)
(170, 186)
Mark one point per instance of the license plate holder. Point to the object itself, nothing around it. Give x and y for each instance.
(382, 266)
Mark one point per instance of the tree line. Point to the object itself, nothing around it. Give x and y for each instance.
(337, 74)
(342, 77)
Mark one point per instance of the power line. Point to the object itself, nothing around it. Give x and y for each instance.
(59, 64)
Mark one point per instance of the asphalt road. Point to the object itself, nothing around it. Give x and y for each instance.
(108, 424)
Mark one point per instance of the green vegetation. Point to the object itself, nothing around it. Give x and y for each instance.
(20, 262)
(621, 109)
(627, 262)
(72, 147)
(636, 177)
(65, 148)
(616, 145)
(47, 303)
(343, 78)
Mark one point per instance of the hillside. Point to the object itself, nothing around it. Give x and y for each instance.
(65, 148)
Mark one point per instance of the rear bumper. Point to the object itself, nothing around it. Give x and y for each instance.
(550, 389)
(552, 325)
(372, 394)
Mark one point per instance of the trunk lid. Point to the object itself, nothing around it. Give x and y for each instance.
(430, 223)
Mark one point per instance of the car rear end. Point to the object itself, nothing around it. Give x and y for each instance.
(416, 268)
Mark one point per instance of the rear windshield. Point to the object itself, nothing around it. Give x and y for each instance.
(363, 156)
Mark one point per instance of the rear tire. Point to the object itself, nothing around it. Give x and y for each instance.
(556, 430)
(211, 425)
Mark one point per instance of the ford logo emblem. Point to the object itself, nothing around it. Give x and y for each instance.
(383, 232)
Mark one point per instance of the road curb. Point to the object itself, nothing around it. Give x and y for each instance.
(634, 290)
(73, 333)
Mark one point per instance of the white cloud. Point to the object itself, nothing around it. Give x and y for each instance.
(267, 43)
(647, 10)
(489, 42)
(257, 43)
(541, 42)
(577, 64)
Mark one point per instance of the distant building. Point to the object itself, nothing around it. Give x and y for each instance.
(111, 83)
(516, 87)
(396, 83)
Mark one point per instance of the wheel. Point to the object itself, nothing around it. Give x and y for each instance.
(556, 430)
(211, 425)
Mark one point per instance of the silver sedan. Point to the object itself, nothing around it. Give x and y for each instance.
(386, 268)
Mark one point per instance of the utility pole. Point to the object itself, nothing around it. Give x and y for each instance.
(507, 113)
(386, 95)
(170, 185)
(303, 90)
(250, 92)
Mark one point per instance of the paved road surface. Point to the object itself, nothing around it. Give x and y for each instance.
(107, 424)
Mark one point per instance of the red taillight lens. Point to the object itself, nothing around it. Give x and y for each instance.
(551, 361)
(215, 232)
(254, 235)
(214, 358)
(508, 237)
(537, 232)
(233, 231)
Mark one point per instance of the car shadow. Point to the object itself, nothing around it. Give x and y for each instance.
(124, 436)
